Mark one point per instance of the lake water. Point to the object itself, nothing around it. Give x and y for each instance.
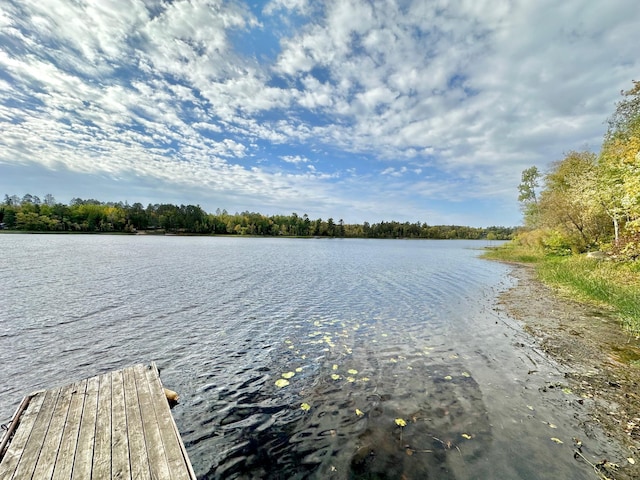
(374, 332)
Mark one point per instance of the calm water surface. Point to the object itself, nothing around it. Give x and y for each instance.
(367, 332)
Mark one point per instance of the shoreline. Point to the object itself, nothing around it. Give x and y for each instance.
(600, 359)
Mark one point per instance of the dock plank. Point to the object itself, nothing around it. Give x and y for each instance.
(33, 447)
(83, 461)
(153, 440)
(120, 468)
(173, 446)
(64, 463)
(102, 450)
(137, 448)
(14, 452)
(53, 437)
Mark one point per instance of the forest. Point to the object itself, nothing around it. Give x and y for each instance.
(31, 213)
(590, 201)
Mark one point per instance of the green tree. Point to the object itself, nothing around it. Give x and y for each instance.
(568, 204)
(528, 197)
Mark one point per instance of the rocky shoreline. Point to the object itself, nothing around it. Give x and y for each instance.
(601, 360)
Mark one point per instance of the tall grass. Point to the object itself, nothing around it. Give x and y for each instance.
(510, 252)
(611, 284)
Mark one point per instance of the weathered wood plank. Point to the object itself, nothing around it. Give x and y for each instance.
(102, 450)
(28, 419)
(179, 466)
(83, 460)
(137, 449)
(153, 440)
(120, 468)
(33, 447)
(15, 421)
(53, 437)
(64, 462)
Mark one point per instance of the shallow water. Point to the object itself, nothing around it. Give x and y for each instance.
(372, 331)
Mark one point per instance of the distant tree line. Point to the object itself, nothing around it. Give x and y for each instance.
(30, 213)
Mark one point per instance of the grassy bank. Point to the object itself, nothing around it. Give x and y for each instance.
(611, 284)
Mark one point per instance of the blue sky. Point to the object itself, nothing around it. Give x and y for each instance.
(361, 110)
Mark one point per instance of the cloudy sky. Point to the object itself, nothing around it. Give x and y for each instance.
(364, 110)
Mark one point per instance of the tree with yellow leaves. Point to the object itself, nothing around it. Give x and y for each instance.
(619, 170)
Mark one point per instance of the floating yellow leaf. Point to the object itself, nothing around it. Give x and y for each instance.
(359, 412)
(401, 422)
(557, 440)
(288, 342)
(409, 367)
(282, 383)
(467, 436)
(329, 341)
(299, 369)
(351, 379)
(317, 323)
(466, 374)
(303, 357)
(335, 367)
(288, 375)
(305, 406)
(352, 371)
(453, 356)
(385, 335)
(567, 390)
(530, 407)
(551, 425)
(393, 360)
(335, 376)
(448, 377)
(631, 461)
(365, 379)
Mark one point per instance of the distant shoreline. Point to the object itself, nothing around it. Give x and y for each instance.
(157, 233)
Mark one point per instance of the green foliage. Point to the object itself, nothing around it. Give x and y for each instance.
(555, 243)
(603, 282)
(528, 196)
(93, 216)
(607, 283)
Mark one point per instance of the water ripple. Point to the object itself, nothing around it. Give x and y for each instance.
(365, 333)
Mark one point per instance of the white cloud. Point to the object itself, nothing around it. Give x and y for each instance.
(474, 90)
(295, 159)
(300, 6)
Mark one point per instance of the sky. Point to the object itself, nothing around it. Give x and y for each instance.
(361, 110)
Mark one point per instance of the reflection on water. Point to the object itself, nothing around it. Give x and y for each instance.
(294, 358)
(357, 379)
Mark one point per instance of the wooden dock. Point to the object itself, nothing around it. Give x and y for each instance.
(116, 425)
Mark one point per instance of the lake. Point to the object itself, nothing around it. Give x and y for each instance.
(297, 358)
